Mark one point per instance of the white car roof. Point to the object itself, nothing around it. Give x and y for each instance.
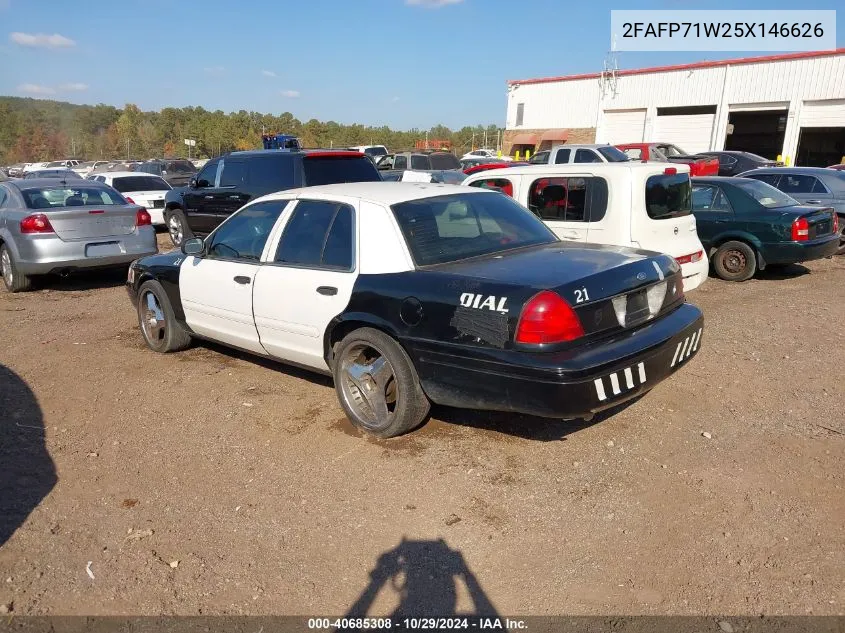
(651, 167)
(386, 193)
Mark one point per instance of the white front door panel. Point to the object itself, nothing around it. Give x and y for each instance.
(216, 305)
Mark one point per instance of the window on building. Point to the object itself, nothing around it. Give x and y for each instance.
(520, 113)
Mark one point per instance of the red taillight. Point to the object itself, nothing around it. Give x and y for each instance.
(800, 230)
(670, 171)
(36, 223)
(690, 259)
(130, 200)
(142, 218)
(835, 223)
(547, 318)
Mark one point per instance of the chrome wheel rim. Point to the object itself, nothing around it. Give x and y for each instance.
(6, 266)
(152, 319)
(734, 262)
(174, 226)
(368, 385)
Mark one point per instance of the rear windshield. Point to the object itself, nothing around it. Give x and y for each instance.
(328, 170)
(444, 161)
(613, 154)
(54, 197)
(457, 226)
(375, 151)
(61, 174)
(765, 194)
(140, 183)
(668, 196)
(181, 167)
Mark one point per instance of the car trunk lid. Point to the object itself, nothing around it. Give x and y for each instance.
(820, 220)
(86, 222)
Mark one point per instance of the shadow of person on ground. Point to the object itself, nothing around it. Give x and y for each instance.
(424, 576)
(27, 473)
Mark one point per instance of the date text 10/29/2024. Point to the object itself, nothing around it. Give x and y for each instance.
(417, 624)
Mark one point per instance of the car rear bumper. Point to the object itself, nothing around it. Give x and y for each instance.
(695, 273)
(43, 254)
(566, 385)
(794, 252)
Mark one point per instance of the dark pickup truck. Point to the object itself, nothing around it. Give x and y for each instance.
(699, 164)
(228, 182)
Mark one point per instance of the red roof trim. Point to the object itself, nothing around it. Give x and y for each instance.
(693, 66)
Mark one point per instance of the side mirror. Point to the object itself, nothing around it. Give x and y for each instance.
(193, 184)
(193, 246)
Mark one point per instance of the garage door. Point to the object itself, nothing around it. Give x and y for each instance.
(828, 113)
(690, 132)
(622, 126)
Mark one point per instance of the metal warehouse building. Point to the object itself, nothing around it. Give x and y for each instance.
(790, 105)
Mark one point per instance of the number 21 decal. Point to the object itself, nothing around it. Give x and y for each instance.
(581, 295)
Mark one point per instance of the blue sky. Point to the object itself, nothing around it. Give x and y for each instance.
(402, 63)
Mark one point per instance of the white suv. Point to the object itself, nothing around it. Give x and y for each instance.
(641, 205)
(564, 154)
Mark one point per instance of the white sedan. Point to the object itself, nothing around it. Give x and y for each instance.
(146, 190)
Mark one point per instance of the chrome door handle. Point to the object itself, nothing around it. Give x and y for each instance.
(814, 202)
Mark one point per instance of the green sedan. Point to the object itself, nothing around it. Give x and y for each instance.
(746, 225)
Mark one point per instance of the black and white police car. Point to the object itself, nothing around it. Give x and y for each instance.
(412, 293)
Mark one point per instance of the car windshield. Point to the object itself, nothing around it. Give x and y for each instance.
(181, 167)
(462, 225)
(140, 183)
(53, 173)
(613, 154)
(765, 194)
(56, 197)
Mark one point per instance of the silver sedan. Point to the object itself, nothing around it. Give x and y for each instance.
(55, 226)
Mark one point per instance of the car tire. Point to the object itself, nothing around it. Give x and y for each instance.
(13, 279)
(161, 332)
(735, 261)
(177, 227)
(377, 385)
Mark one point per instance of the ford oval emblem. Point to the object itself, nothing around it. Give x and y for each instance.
(641, 276)
(676, 230)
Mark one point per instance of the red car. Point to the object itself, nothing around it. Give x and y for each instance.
(667, 153)
(485, 166)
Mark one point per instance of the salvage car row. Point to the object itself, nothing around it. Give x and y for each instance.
(551, 300)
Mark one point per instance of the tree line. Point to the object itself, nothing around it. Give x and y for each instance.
(39, 130)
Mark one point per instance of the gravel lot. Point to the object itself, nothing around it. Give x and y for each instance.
(207, 482)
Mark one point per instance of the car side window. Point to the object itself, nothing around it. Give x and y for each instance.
(769, 179)
(496, 184)
(243, 236)
(420, 162)
(709, 198)
(400, 162)
(562, 156)
(208, 176)
(561, 199)
(818, 187)
(540, 158)
(233, 173)
(586, 156)
(3, 196)
(796, 183)
(319, 234)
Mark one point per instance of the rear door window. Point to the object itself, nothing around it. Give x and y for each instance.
(233, 174)
(709, 198)
(496, 184)
(328, 170)
(272, 173)
(769, 179)
(796, 183)
(319, 234)
(562, 156)
(576, 199)
(586, 156)
(668, 196)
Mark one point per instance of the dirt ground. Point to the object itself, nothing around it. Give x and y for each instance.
(207, 482)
